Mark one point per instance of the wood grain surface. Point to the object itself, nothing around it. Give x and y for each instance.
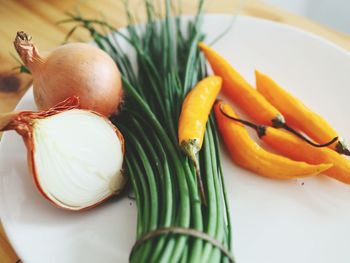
(39, 19)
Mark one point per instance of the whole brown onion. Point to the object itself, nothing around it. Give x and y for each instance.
(76, 69)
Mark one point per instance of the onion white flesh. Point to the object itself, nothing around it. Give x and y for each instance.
(77, 158)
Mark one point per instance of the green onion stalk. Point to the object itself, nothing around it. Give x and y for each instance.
(173, 225)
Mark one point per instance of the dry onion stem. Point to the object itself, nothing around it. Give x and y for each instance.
(75, 156)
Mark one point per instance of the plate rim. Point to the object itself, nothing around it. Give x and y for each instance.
(276, 24)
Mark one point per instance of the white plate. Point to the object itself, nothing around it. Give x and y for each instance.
(273, 221)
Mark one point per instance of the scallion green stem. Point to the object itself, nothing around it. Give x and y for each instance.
(163, 179)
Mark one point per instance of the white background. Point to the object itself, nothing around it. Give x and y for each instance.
(332, 13)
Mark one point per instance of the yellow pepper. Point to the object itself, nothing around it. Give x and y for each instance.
(240, 91)
(195, 112)
(296, 149)
(248, 98)
(193, 119)
(248, 154)
(297, 114)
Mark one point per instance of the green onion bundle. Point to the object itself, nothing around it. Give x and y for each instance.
(173, 224)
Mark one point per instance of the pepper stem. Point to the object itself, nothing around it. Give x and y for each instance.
(342, 148)
(260, 129)
(280, 123)
(190, 147)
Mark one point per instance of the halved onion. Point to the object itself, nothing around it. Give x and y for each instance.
(74, 155)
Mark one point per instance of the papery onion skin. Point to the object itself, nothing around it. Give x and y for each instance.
(75, 69)
(24, 123)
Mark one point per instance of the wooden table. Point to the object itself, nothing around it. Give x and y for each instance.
(39, 19)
